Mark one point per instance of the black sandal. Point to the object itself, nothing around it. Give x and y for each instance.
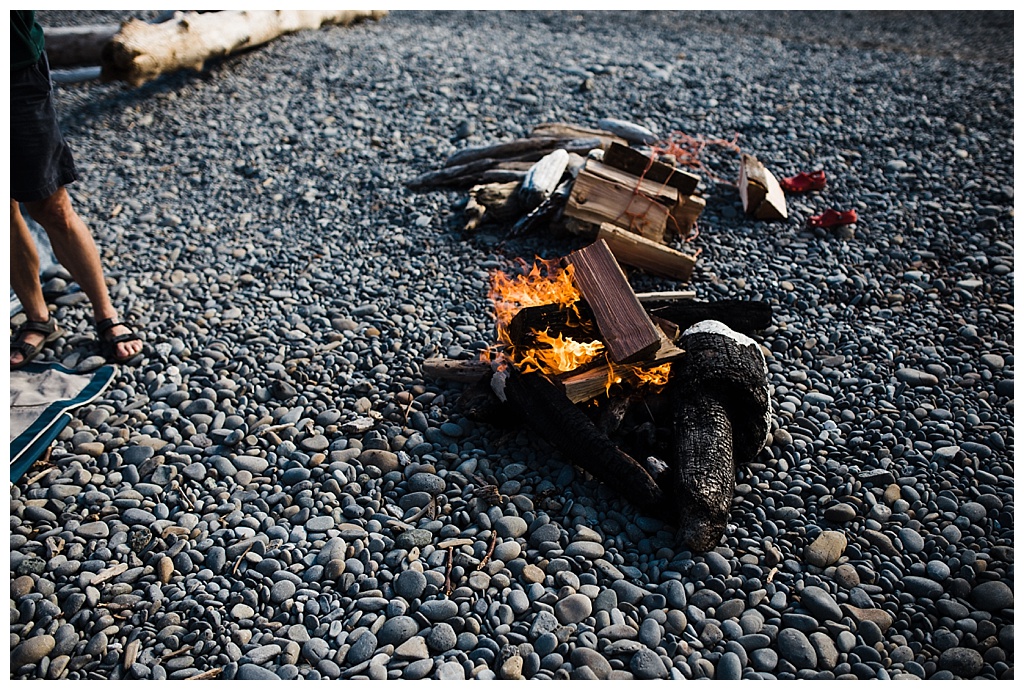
(108, 345)
(49, 329)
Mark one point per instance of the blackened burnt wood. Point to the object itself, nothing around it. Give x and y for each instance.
(740, 315)
(557, 320)
(642, 165)
(552, 417)
(626, 330)
(720, 419)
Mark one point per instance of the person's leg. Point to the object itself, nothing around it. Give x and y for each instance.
(75, 249)
(25, 278)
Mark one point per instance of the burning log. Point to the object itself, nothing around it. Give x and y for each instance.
(760, 192)
(553, 417)
(626, 329)
(720, 420)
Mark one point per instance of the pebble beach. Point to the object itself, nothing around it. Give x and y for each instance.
(277, 491)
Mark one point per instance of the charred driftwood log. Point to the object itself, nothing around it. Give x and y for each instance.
(720, 418)
(745, 316)
(554, 418)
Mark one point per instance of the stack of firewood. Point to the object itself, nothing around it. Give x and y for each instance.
(604, 183)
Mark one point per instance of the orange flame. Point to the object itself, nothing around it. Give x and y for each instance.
(550, 282)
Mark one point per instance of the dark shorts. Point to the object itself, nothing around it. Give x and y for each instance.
(41, 161)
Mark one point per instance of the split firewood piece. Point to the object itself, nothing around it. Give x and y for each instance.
(542, 179)
(626, 329)
(462, 370)
(565, 130)
(745, 316)
(658, 191)
(666, 296)
(685, 214)
(760, 192)
(643, 165)
(639, 252)
(141, 52)
(720, 420)
(559, 422)
(597, 200)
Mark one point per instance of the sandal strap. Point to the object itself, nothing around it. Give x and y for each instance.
(106, 324)
(25, 350)
(123, 338)
(47, 327)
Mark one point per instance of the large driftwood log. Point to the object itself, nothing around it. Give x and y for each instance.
(720, 421)
(553, 417)
(77, 46)
(141, 52)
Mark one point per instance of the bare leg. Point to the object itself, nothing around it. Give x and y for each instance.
(25, 277)
(75, 249)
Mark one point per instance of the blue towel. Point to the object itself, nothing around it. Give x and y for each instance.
(42, 397)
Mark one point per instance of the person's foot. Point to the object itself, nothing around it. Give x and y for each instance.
(120, 343)
(31, 338)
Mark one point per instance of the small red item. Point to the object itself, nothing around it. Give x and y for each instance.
(804, 182)
(832, 218)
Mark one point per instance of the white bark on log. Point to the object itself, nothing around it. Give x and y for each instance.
(141, 52)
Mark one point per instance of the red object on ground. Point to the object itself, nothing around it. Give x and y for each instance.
(804, 182)
(832, 218)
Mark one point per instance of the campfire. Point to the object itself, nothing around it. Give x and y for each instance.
(607, 378)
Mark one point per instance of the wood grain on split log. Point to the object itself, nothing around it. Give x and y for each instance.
(744, 316)
(542, 179)
(77, 46)
(551, 416)
(720, 421)
(566, 130)
(684, 214)
(626, 330)
(643, 165)
(634, 250)
(597, 200)
(760, 192)
(141, 52)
